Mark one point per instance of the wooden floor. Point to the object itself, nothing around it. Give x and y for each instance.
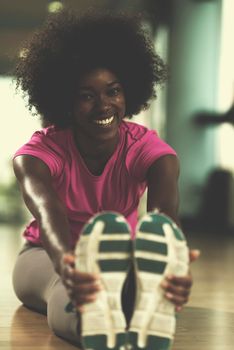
(206, 323)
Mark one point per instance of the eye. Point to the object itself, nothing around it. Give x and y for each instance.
(114, 91)
(85, 96)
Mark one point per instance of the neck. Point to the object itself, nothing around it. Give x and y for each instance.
(97, 149)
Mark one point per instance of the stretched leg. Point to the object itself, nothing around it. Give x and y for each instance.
(105, 248)
(40, 288)
(159, 249)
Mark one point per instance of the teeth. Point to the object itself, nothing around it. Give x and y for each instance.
(104, 121)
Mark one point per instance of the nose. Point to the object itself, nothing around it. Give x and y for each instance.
(103, 104)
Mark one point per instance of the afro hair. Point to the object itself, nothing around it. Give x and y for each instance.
(70, 44)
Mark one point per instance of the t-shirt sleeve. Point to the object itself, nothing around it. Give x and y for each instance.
(44, 148)
(144, 152)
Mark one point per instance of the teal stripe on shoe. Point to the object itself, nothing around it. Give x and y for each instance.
(151, 227)
(158, 343)
(148, 265)
(114, 246)
(100, 342)
(109, 219)
(155, 225)
(179, 234)
(151, 246)
(114, 265)
(153, 342)
(162, 219)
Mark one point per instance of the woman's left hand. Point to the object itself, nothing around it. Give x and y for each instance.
(177, 289)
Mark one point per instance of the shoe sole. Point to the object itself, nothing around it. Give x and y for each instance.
(160, 250)
(105, 247)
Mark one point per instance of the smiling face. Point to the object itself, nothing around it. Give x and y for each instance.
(99, 107)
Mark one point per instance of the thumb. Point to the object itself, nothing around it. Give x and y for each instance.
(69, 258)
(194, 254)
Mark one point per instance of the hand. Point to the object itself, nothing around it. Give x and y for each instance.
(177, 289)
(82, 287)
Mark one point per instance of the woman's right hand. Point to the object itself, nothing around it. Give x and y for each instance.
(82, 287)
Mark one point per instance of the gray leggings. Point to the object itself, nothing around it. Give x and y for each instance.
(40, 288)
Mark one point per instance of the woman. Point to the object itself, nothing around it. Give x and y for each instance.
(84, 75)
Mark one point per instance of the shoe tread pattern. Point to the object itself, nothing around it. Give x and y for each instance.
(156, 238)
(103, 321)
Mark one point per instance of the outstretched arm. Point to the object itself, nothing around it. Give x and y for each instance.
(162, 179)
(44, 203)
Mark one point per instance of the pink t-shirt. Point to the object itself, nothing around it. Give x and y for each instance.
(118, 188)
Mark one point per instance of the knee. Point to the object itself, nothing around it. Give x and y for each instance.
(24, 290)
(20, 285)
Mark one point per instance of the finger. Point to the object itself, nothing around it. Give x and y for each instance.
(80, 301)
(69, 259)
(185, 281)
(69, 284)
(87, 288)
(67, 264)
(68, 271)
(84, 277)
(175, 290)
(84, 289)
(194, 254)
(80, 285)
(176, 299)
(178, 308)
(79, 277)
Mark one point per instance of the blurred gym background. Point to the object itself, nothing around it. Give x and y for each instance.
(194, 111)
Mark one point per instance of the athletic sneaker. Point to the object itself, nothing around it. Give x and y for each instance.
(160, 250)
(105, 247)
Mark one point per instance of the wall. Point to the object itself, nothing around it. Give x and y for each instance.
(194, 60)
